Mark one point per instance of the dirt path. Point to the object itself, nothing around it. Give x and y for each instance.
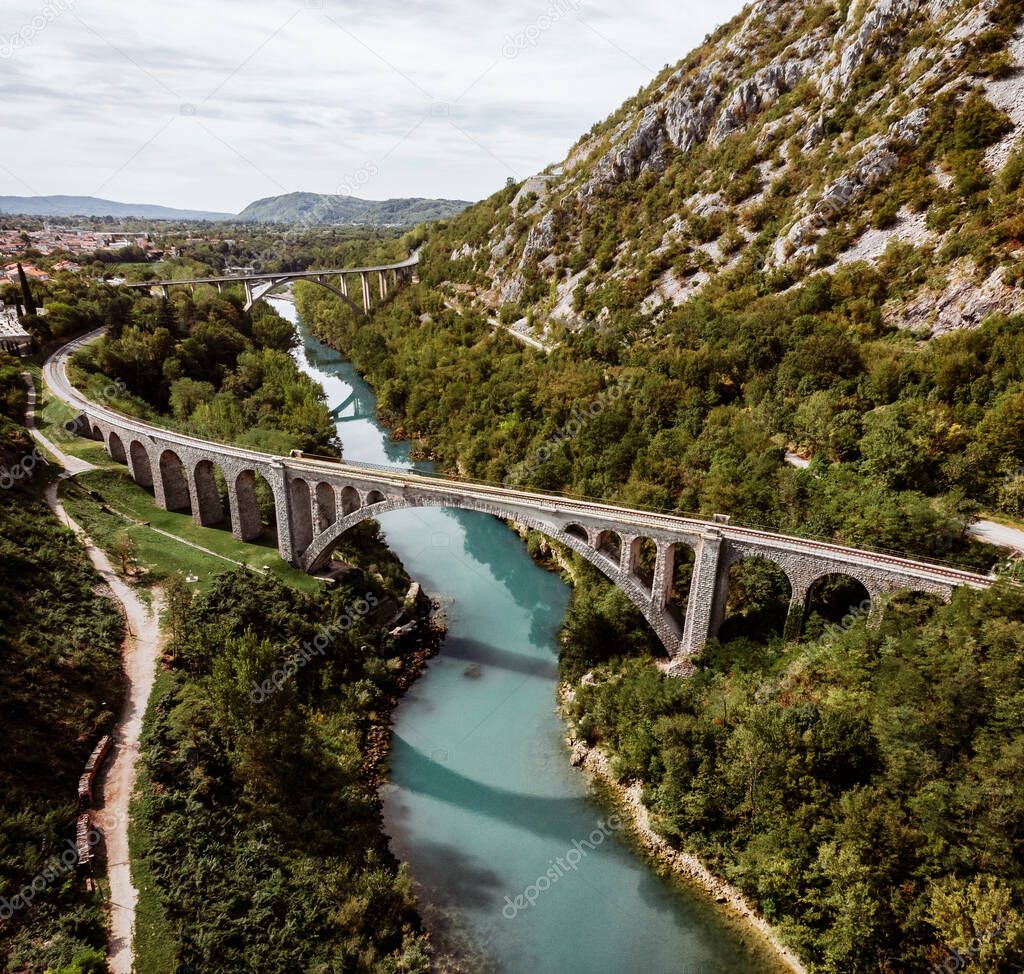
(139, 654)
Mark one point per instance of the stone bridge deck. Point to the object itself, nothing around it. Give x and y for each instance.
(316, 500)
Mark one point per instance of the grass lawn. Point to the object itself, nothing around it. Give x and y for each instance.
(159, 555)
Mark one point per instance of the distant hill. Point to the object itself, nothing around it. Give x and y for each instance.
(311, 208)
(91, 206)
(326, 209)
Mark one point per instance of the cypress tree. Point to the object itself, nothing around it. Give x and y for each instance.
(30, 305)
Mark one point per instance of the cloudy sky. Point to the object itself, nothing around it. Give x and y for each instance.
(214, 103)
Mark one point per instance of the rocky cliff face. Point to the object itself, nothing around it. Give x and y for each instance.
(802, 136)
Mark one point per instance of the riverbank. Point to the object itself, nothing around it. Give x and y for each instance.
(595, 765)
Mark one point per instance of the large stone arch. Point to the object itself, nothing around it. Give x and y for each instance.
(668, 631)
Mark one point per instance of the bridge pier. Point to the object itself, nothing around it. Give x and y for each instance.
(343, 284)
(797, 610)
(664, 569)
(629, 554)
(365, 278)
(706, 605)
(383, 285)
(282, 509)
(248, 293)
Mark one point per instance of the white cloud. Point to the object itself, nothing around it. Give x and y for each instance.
(210, 105)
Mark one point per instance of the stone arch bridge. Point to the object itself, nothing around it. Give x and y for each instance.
(383, 278)
(316, 500)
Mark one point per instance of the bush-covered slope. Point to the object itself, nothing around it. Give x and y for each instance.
(861, 789)
(60, 689)
(260, 824)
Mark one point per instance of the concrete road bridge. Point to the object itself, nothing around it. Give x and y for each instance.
(382, 278)
(316, 500)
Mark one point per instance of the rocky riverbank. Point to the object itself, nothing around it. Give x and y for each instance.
(594, 763)
(421, 643)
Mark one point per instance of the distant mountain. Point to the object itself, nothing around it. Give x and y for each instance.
(310, 208)
(317, 208)
(91, 206)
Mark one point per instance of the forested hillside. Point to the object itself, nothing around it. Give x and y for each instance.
(805, 134)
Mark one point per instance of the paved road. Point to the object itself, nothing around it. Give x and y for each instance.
(998, 534)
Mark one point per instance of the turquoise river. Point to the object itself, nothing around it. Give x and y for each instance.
(482, 802)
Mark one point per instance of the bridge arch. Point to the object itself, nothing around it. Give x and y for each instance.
(173, 482)
(247, 518)
(139, 462)
(837, 595)
(208, 507)
(578, 531)
(350, 500)
(326, 506)
(319, 552)
(265, 290)
(609, 544)
(766, 589)
(115, 447)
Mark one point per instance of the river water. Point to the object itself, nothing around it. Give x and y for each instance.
(482, 802)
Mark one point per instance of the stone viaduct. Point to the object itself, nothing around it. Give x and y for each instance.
(316, 500)
(383, 278)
